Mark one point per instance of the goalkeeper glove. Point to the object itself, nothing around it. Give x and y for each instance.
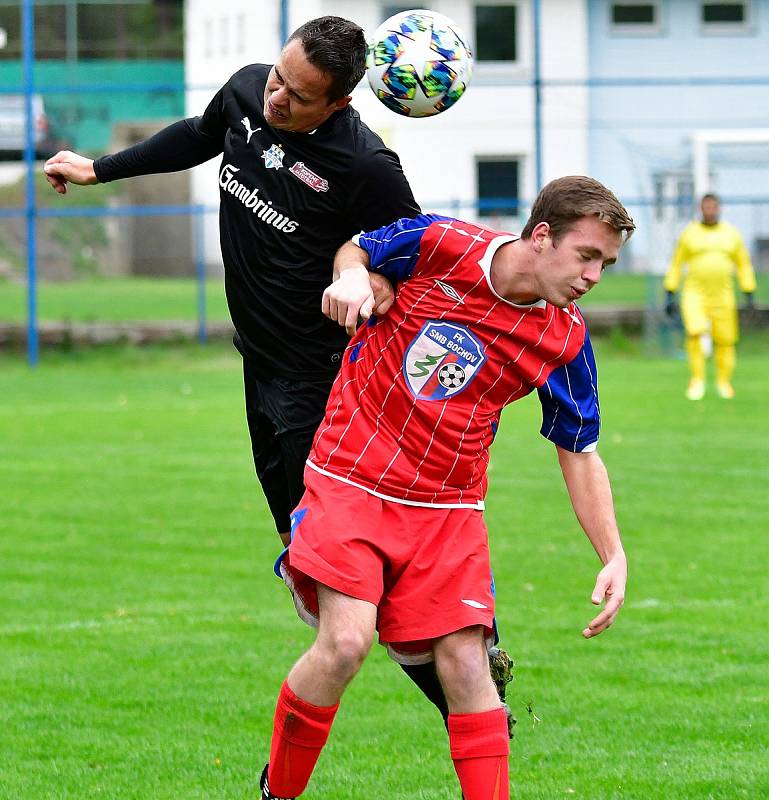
(750, 303)
(670, 305)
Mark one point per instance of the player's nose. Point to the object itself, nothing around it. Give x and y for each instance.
(592, 272)
(279, 97)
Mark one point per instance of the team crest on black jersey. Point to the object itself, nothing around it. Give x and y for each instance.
(273, 158)
(442, 360)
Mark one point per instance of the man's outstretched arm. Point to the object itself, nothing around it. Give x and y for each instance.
(179, 146)
(588, 484)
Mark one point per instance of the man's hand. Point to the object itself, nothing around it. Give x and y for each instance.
(671, 309)
(609, 587)
(350, 296)
(67, 167)
(384, 294)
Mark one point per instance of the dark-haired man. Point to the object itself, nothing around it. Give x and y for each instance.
(300, 174)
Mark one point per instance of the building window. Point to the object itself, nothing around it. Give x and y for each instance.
(729, 13)
(498, 188)
(633, 14)
(725, 18)
(635, 17)
(496, 32)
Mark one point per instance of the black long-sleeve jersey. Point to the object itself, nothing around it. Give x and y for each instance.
(288, 201)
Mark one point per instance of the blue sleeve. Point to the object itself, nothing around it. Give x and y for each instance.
(571, 415)
(394, 249)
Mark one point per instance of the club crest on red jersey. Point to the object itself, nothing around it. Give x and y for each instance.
(442, 360)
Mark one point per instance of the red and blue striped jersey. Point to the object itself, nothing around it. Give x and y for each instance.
(416, 405)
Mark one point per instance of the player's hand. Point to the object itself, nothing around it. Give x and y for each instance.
(671, 309)
(67, 167)
(348, 298)
(609, 589)
(384, 294)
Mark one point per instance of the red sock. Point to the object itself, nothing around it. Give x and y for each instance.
(479, 749)
(299, 732)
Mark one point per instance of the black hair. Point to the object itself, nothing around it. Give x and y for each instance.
(336, 47)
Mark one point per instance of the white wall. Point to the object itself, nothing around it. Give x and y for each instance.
(494, 118)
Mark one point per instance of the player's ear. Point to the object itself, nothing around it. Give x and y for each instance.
(539, 234)
(342, 102)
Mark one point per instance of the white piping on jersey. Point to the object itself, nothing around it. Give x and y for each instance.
(358, 236)
(563, 349)
(472, 413)
(376, 428)
(479, 505)
(576, 407)
(592, 383)
(456, 264)
(589, 448)
(394, 258)
(555, 416)
(446, 229)
(485, 264)
(429, 444)
(368, 378)
(344, 433)
(542, 335)
(376, 363)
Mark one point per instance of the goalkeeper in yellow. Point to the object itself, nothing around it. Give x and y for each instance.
(713, 253)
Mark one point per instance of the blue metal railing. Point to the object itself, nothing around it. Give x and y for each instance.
(28, 36)
(499, 206)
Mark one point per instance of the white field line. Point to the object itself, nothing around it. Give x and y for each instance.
(126, 619)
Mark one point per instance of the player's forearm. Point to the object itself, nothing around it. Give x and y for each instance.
(590, 492)
(672, 278)
(350, 256)
(746, 277)
(179, 146)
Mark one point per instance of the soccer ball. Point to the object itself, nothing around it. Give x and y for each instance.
(418, 63)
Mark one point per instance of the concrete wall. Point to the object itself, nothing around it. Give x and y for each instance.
(154, 246)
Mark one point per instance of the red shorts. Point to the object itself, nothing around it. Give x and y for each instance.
(426, 569)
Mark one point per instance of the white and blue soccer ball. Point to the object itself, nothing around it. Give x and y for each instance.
(418, 63)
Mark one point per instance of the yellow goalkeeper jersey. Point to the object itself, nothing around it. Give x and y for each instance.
(713, 256)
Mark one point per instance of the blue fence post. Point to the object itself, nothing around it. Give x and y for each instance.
(284, 32)
(28, 37)
(199, 220)
(538, 148)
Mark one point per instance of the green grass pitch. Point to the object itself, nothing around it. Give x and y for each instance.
(143, 636)
(147, 299)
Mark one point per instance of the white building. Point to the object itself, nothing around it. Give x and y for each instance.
(483, 147)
